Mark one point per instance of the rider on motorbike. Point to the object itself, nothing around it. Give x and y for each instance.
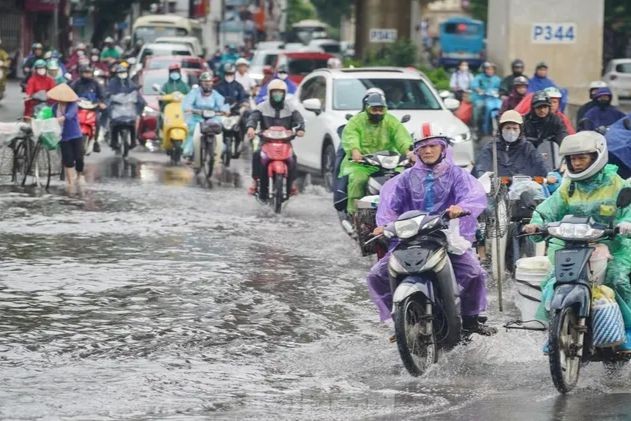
(88, 88)
(603, 114)
(541, 124)
(282, 75)
(275, 111)
(243, 76)
(39, 81)
(109, 52)
(435, 184)
(556, 96)
(200, 98)
(37, 53)
(369, 131)
(95, 61)
(590, 188)
(593, 87)
(175, 82)
(518, 92)
(515, 155)
(121, 84)
(508, 83)
(230, 89)
(482, 85)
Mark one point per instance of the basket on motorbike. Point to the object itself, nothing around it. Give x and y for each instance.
(123, 107)
(365, 223)
(210, 127)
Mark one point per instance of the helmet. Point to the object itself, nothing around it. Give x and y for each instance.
(95, 51)
(48, 55)
(580, 143)
(39, 64)
(539, 98)
(175, 67)
(85, 69)
(430, 131)
(99, 73)
(334, 63)
(80, 46)
(282, 69)
(206, 77)
(553, 92)
(603, 92)
(511, 116)
(241, 61)
(109, 40)
(229, 68)
(120, 69)
(597, 84)
(375, 99)
(517, 63)
(37, 46)
(520, 80)
(487, 65)
(277, 85)
(52, 65)
(541, 65)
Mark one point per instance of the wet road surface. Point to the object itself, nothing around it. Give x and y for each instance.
(147, 296)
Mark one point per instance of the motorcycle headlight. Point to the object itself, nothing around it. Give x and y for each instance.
(462, 137)
(389, 162)
(408, 227)
(576, 232)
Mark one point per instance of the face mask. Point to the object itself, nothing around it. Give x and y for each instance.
(375, 118)
(278, 97)
(95, 58)
(122, 75)
(282, 76)
(510, 135)
(229, 79)
(207, 89)
(175, 76)
(41, 72)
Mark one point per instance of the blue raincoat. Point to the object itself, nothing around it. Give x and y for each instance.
(195, 100)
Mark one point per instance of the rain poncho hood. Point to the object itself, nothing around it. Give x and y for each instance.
(619, 146)
(603, 115)
(595, 197)
(538, 83)
(433, 189)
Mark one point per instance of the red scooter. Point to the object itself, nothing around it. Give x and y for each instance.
(87, 121)
(276, 152)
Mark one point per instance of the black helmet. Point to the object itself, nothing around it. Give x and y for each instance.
(517, 63)
(375, 100)
(229, 68)
(520, 80)
(540, 98)
(85, 68)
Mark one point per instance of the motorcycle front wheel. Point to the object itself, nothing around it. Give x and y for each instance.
(279, 192)
(565, 343)
(415, 334)
(209, 157)
(125, 139)
(226, 155)
(176, 152)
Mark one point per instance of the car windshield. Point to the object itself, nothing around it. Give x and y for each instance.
(151, 33)
(331, 48)
(304, 66)
(155, 64)
(160, 78)
(163, 51)
(401, 94)
(623, 68)
(264, 59)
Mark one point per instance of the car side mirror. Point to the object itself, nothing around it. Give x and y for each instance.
(348, 116)
(624, 198)
(406, 118)
(156, 88)
(444, 94)
(451, 104)
(313, 104)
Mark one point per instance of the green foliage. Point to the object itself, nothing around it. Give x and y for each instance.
(332, 11)
(298, 10)
(438, 76)
(479, 9)
(400, 54)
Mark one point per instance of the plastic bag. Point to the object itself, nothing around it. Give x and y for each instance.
(456, 243)
(8, 131)
(522, 184)
(607, 325)
(123, 106)
(48, 131)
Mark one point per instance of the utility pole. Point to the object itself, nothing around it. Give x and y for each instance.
(56, 25)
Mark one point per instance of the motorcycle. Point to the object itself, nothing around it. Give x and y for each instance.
(575, 334)
(425, 300)
(123, 115)
(174, 128)
(492, 106)
(231, 135)
(276, 150)
(209, 129)
(87, 121)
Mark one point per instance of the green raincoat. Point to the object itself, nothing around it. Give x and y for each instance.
(595, 197)
(389, 135)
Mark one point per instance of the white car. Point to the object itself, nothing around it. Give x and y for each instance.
(326, 96)
(618, 76)
(191, 42)
(162, 49)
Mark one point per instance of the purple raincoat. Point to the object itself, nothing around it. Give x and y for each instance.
(434, 189)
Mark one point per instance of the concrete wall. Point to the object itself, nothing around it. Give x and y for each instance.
(571, 65)
(373, 14)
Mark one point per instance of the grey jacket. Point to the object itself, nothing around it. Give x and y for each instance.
(268, 116)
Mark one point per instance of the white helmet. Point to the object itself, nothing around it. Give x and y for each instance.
(241, 61)
(334, 63)
(511, 116)
(597, 84)
(277, 85)
(553, 92)
(585, 142)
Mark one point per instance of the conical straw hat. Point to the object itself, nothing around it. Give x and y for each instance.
(63, 93)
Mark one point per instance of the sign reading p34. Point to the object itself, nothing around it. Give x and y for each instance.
(553, 33)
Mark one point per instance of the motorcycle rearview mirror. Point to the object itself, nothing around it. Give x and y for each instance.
(68, 77)
(348, 116)
(406, 118)
(155, 87)
(624, 198)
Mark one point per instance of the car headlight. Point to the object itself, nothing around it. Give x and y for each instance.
(149, 111)
(408, 227)
(576, 232)
(462, 137)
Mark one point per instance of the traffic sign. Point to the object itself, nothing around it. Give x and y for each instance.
(553, 33)
(383, 35)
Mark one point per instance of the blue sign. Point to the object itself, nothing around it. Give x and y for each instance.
(553, 33)
(79, 21)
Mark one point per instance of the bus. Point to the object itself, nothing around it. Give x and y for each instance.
(151, 27)
(460, 39)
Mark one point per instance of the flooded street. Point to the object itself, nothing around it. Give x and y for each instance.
(147, 296)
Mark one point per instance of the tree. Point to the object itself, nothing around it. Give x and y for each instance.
(332, 11)
(298, 10)
(479, 9)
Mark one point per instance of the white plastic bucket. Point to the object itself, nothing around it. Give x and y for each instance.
(529, 274)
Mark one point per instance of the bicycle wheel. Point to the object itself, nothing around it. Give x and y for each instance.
(20, 161)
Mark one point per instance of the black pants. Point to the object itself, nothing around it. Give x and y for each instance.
(72, 153)
(259, 172)
(115, 130)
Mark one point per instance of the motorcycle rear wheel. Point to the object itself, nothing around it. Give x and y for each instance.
(278, 192)
(226, 154)
(565, 343)
(415, 334)
(125, 139)
(209, 157)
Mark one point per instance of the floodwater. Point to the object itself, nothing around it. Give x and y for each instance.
(148, 296)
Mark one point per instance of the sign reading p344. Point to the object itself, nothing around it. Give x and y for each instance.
(553, 33)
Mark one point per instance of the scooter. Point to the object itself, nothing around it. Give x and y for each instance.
(231, 135)
(276, 151)
(425, 297)
(492, 106)
(87, 121)
(209, 129)
(577, 334)
(174, 129)
(123, 115)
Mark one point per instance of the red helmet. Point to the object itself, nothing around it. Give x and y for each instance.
(175, 67)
